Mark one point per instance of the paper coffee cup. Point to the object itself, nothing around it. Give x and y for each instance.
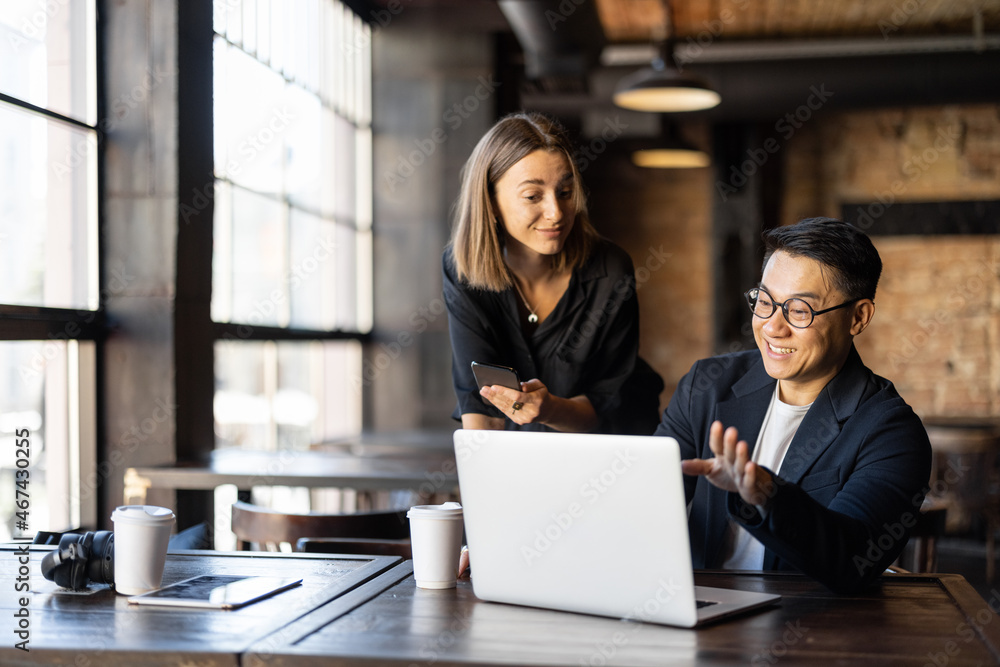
(141, 536)
(436, 537)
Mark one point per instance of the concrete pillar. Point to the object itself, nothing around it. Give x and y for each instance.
(139, 228)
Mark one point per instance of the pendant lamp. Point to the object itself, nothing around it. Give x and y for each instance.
(670, 158)
(662, 87)
(670, 151)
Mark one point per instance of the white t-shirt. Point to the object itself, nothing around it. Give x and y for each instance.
(780, 424)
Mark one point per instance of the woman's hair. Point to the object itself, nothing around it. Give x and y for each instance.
(477, 240)
(854, 263)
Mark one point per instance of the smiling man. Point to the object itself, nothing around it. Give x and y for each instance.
(799, 457)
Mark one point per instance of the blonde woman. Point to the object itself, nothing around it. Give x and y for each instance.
(530, 284)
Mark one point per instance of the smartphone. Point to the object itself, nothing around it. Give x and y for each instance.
(489, 374)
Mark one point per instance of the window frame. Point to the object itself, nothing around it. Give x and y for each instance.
(236, 331)
(44, 324)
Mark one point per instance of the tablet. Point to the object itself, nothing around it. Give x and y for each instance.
(216, 591)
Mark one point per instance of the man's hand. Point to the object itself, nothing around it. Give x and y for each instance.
(731, 469)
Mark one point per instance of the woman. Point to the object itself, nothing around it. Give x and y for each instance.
(529, 284)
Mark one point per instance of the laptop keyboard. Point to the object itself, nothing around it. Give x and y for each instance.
(704, 603)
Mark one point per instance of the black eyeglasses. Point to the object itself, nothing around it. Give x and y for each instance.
(797, 312)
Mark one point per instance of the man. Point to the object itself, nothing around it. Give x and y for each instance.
(799, 457)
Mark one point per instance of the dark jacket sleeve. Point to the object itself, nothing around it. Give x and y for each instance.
(848, 543)
(676, 423)
(847, 514)
(472, 338)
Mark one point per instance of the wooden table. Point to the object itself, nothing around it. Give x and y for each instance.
(367, 610)
(427, 471)
(101, 629)
(911, 620)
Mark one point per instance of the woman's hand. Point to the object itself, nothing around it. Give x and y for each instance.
(463, 563)
(535, 405)
(521, 407)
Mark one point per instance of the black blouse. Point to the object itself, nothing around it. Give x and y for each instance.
(588, 345)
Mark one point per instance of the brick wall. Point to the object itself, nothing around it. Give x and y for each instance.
(936, 332)
(662, 218)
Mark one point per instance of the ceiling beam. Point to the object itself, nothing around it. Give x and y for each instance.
(769, 89)
(691, 51)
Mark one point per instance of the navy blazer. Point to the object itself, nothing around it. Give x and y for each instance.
(849, 488)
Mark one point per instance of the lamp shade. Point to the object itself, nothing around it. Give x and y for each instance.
(670, 158)
(664, 89)
(669, 151)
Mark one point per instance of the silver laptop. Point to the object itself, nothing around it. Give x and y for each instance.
(585, 523)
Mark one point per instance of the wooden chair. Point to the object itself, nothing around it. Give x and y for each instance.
(355, 545)
(385, 532)
(920, 554)
(966, 474)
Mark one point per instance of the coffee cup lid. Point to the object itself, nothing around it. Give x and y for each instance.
(143, 514)
(443, 511)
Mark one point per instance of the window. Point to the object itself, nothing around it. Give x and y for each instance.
(50, 318)
(291, 292)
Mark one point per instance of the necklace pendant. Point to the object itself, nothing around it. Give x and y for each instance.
(533, 318)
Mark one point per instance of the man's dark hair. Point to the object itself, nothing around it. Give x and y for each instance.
(835, 244)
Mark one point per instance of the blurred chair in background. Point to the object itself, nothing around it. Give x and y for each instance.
(375, 533)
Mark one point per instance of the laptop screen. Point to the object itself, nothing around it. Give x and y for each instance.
(579, 522)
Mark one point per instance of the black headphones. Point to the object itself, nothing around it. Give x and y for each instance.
(82, 557)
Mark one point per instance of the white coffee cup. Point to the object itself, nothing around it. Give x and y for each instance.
(436, 537)
(141, 536)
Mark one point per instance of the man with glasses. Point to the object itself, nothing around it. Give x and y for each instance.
(797, 456)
